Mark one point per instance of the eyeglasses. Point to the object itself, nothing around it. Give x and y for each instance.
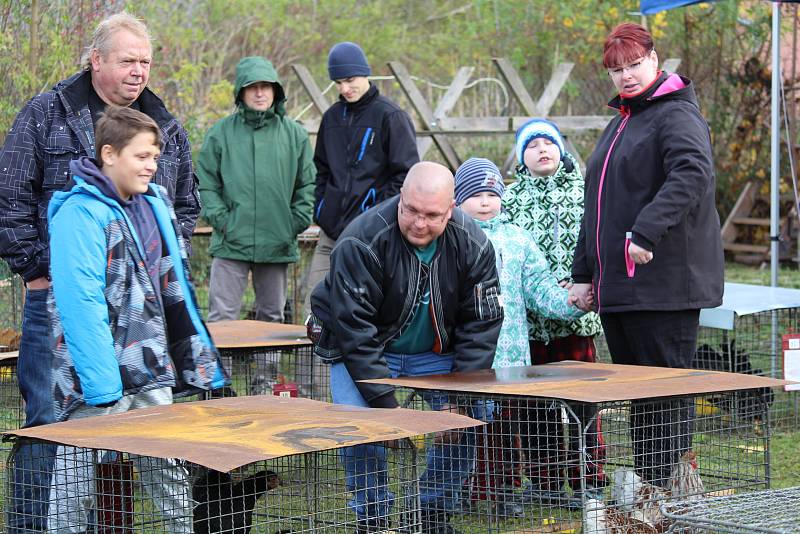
(633, 67)
(427, 218)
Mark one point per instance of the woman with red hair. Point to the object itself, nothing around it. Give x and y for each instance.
(650, 247)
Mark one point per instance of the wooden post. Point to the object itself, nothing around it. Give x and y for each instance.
(311, 87)
(671, 64)
(424, 111)
(514, 82)
(542, 107)
(446, 105)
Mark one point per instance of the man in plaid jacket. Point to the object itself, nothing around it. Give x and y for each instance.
(53, 129)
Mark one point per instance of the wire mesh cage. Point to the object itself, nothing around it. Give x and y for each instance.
(769, 511)
(257, 464)
(744, 335)
(269, 359)
(108, 491)
(12, 413)
(545, 464)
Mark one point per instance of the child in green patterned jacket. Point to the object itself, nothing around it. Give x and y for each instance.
(526, 283)
(547, 200)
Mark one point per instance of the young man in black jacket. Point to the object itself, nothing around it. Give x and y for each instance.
(412, 291)
(365, 146)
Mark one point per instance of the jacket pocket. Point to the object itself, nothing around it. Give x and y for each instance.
(487, 300)
(330, 211)
(326, 348)
(630, 265)
(56, 165)
(167, 173)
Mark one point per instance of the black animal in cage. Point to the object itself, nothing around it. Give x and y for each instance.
(749, 404)
(227, 506)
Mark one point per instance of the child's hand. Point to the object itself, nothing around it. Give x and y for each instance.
(581, 296)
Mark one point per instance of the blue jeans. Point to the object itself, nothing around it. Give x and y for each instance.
(33, 462)
(448, 465)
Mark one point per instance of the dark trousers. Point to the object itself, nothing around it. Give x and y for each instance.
(33, 462)
(661, 430)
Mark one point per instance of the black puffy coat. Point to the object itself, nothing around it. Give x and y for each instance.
(651, 179)
(370, 293)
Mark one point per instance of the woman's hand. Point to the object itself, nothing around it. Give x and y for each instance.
(638, 254)
(581, 296)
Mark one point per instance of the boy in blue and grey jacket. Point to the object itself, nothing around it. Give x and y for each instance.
(126, 331)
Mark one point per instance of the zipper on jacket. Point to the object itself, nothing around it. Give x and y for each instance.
(370, 197)
(411, 300)
(349, 185)
(363, 145)
(438, 318)
(599, 205)
(556, 221)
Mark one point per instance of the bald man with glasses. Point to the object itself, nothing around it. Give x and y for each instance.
(412, 290)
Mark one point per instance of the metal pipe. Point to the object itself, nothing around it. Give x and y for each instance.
(774, 204)
(774, 228)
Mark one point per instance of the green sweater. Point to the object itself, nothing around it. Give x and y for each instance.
(256, 178)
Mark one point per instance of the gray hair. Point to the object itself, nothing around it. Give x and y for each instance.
(104, 33)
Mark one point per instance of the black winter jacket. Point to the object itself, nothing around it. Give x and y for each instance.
(364, 150)
(651, 179)
(369, 293)
(53, 129)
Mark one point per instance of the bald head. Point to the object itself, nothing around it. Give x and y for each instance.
(426, 203)
(430, 179)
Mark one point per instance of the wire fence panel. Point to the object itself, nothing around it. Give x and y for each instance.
(12, 297)
(547, 465)
(770, 511)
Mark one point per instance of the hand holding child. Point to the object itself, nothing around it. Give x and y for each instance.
(581, 296)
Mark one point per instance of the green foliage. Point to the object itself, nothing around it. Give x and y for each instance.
(723, 46)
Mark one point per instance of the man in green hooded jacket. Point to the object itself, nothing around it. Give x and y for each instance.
(257, 186)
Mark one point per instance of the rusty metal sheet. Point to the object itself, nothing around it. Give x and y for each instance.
(257, 334)
(587, 382)
(224, 434)
(9, 358)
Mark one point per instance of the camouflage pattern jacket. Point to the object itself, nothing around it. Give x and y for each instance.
(551, 209)
(112, 333)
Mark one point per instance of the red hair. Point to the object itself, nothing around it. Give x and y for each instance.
(627, 42)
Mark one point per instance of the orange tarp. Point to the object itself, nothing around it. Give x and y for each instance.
(224, 434)
(587, 382)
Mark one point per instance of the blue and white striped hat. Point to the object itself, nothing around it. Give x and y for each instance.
(475, 176)
(538, 128)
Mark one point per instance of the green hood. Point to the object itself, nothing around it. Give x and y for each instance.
(257, 69)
